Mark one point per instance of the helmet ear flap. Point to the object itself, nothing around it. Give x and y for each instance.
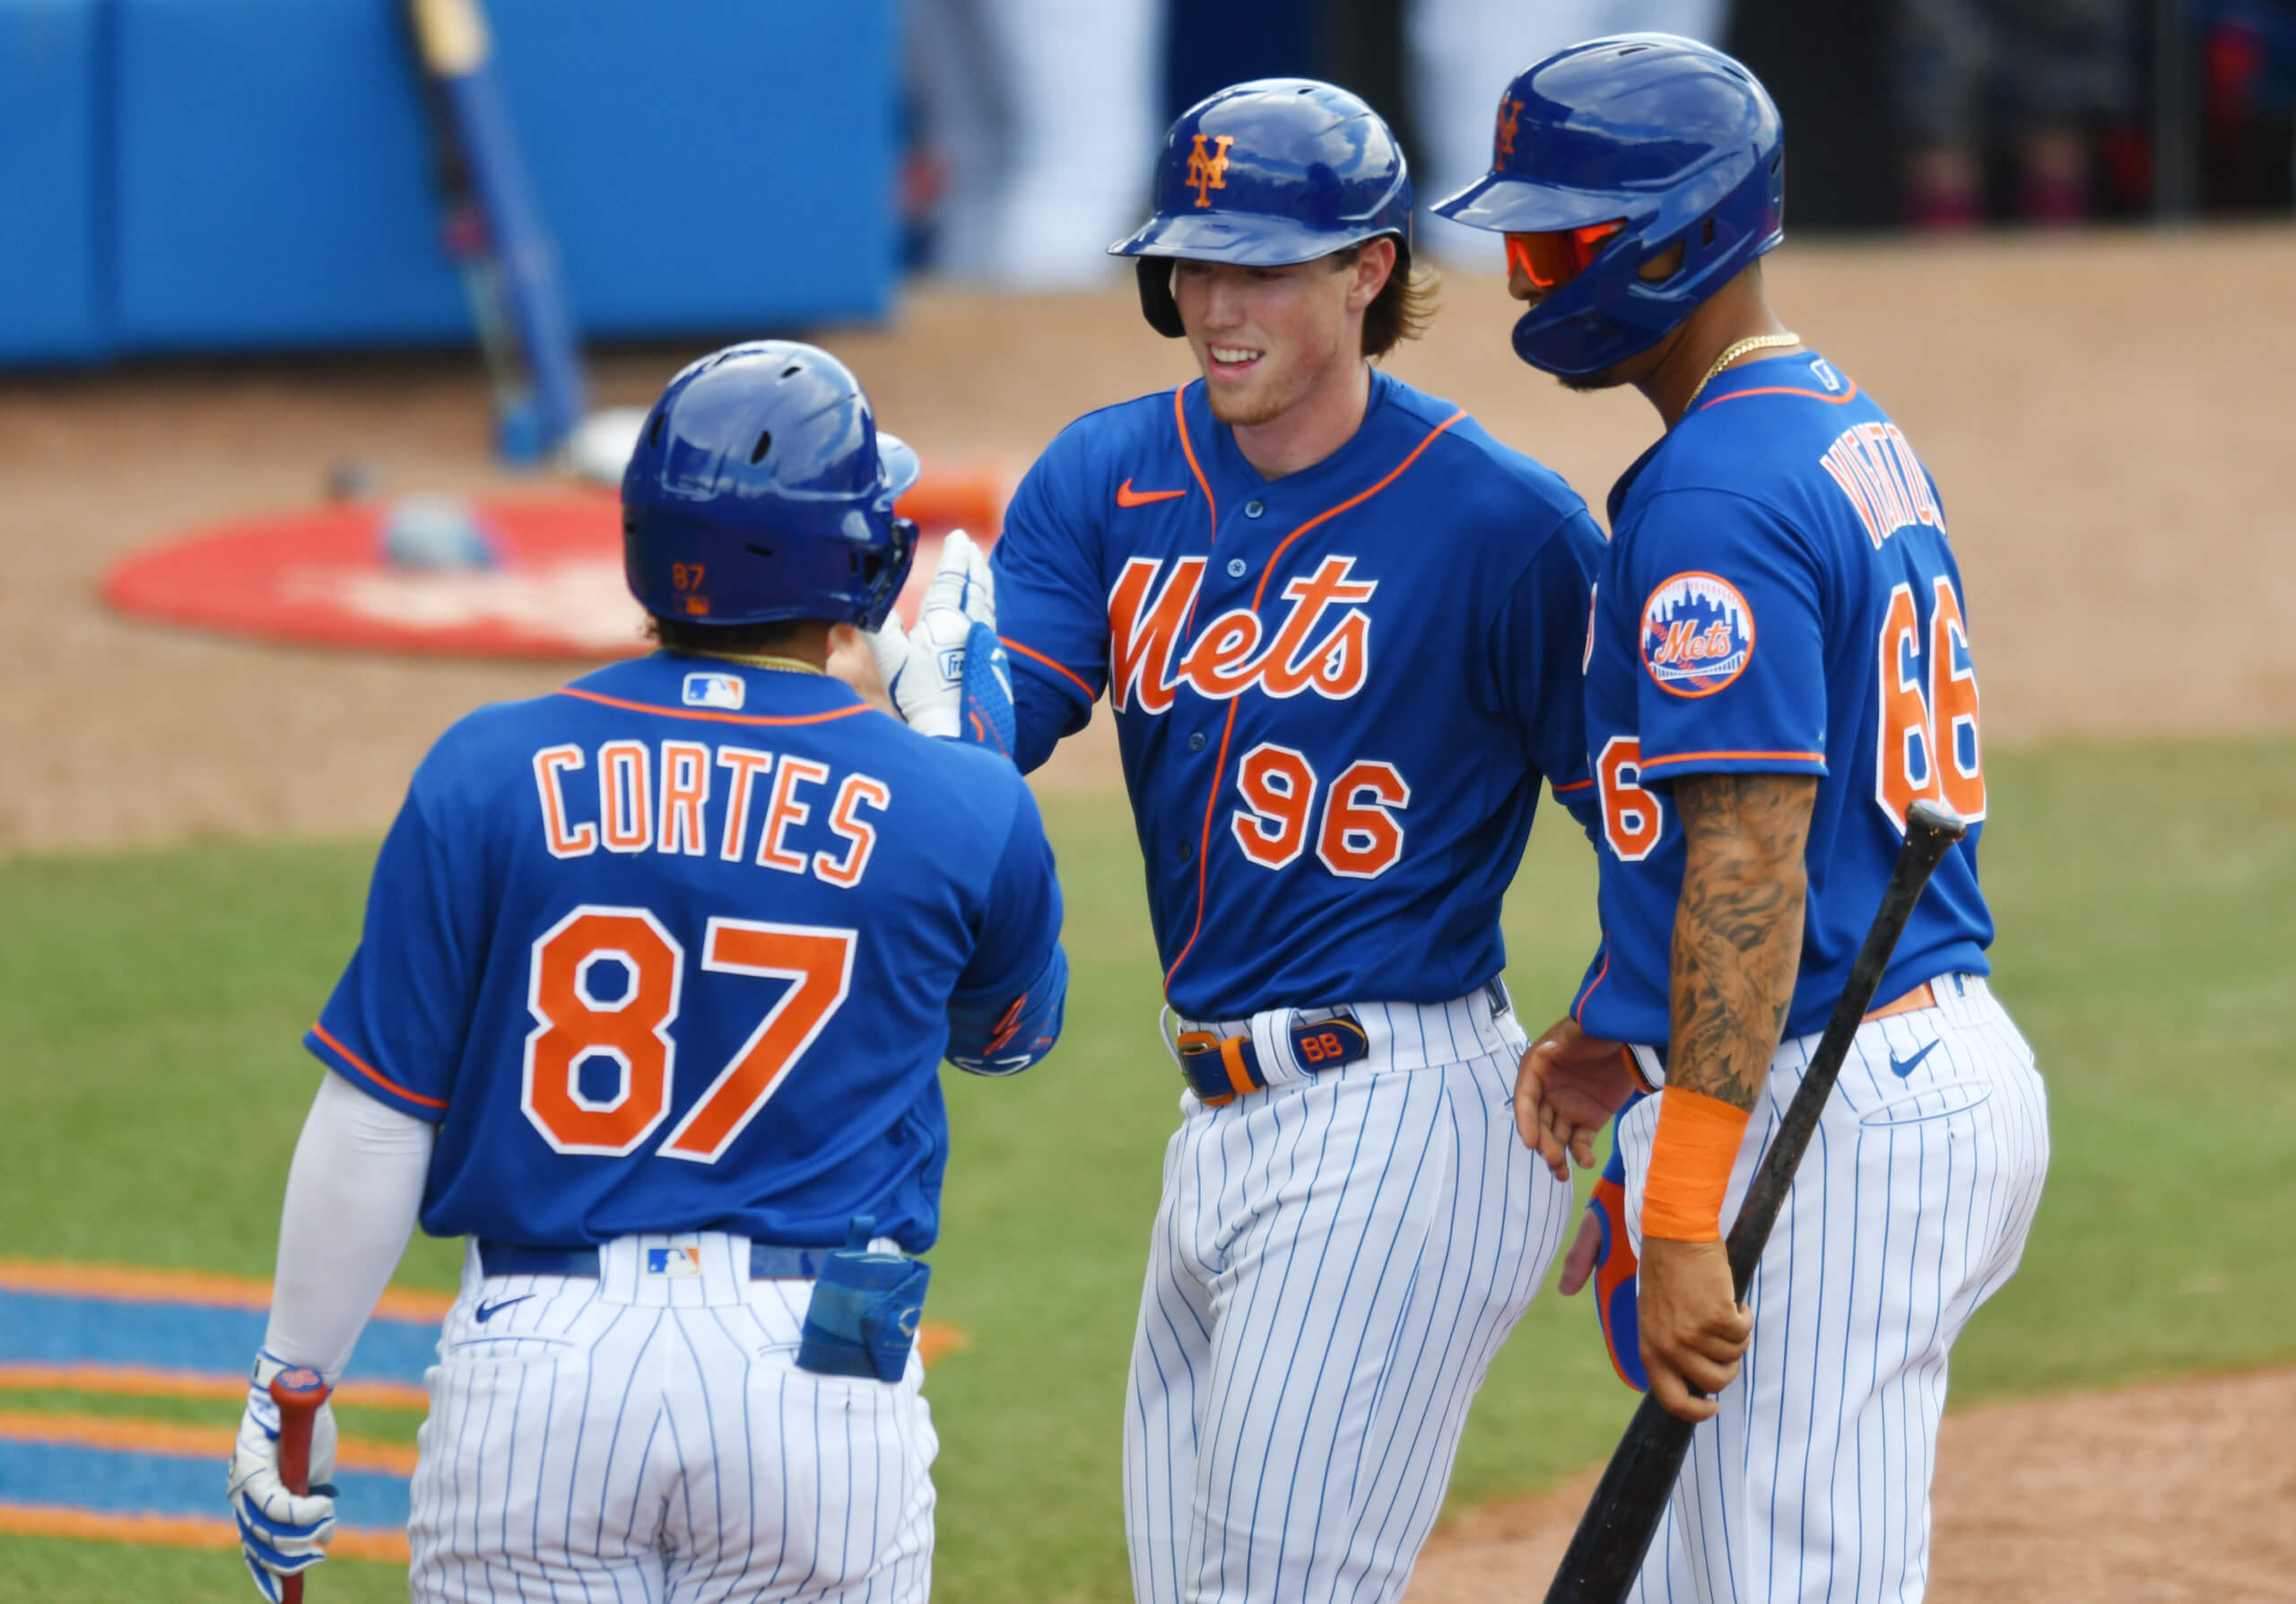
(1156, 302)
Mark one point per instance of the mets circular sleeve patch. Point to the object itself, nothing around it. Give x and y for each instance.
(1698, 634)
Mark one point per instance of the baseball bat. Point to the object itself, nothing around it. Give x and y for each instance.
(494, 230)
(1614, 1533)
(299, 1393)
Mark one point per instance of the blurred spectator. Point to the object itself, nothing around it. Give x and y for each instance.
(2030, 79)
(1036, 126)
(1461, 53)
(2248, 99)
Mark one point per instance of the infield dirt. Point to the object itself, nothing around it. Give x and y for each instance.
(2104, 413)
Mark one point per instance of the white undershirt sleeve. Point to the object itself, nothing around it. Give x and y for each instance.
(352, 1194)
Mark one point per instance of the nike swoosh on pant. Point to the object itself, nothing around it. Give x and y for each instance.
(1903, 1068)
(487, 1311)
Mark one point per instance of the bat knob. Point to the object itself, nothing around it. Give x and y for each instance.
(1937, 819)
(301, 1388)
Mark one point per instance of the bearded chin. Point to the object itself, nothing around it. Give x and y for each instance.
(1240, 413)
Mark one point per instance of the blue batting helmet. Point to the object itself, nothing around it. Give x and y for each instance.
(1266, 174)
(1669, 138)
(760, 490)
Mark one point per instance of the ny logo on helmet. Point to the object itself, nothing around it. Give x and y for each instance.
(1510, 110)
(1208, 169)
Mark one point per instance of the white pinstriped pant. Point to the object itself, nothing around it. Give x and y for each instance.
(639, 1439)
(1909, 1209)
(1335, 1263)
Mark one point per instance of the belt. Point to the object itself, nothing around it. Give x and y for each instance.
(1222, 1069)
(1923, 996)
(766, 1262)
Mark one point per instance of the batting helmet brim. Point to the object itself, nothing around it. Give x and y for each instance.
(1245, 240)
(903, 465)
(1511, 206)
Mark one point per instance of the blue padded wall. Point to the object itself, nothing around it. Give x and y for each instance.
(53, 280)
(704, 166)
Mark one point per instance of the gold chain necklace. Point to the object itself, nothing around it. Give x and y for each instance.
(760, 660)
(1758, 342)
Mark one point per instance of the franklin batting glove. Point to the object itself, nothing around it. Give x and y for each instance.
(282, 1534)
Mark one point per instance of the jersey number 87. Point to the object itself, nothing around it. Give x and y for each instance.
(575, 1025)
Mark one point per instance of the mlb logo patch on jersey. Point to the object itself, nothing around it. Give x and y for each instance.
(714, 690)
(1698, 634)
(674, 1264)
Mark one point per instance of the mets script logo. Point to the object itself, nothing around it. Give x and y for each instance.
(1208, 169)
(1308, 650)
(1698, 634)
(1509, 110)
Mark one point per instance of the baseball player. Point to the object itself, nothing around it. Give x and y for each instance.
(655, 977)
(1339, 627)
(1780, 663)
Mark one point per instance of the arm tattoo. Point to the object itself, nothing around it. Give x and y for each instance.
(1737, 928)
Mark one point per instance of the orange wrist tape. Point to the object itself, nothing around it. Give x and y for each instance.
(1690, 1159)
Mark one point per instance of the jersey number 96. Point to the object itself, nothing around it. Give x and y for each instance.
(1360, 838)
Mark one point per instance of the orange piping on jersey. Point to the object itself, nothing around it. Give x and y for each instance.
(714, 718)
(1188, 449)
(1787, 389)
(371, 1072)
(1575, 786)
(1579, 1013)
(206, 1289)
(177, 1531)
(1204, 849)
(1683, 758)
(1061, 669)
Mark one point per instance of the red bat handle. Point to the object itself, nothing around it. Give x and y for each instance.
(299, 1393)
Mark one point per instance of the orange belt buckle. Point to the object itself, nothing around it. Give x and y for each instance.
(1217, 1066)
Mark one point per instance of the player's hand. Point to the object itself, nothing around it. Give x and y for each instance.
(1693, 1331)
(1578, 1258)
(1567, 1089)
(923, 670)
(282, 1534)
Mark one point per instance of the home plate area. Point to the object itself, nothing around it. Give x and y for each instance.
(116, 1331)
(532, 576)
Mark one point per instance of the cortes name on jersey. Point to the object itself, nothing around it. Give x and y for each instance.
(1146, 622)
(657, 798)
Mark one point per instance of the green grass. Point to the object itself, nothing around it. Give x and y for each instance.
(152, 1005)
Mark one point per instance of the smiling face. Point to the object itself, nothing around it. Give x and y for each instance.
(1269, 339)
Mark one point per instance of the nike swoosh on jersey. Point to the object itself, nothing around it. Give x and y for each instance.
(1126, 496)
(1902, 1067)
(487, 1311)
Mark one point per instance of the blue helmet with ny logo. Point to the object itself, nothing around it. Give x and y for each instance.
(762, 490)
(1267, 174)
(1633, 143)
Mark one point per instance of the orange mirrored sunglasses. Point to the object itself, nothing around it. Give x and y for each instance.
(1552, 260)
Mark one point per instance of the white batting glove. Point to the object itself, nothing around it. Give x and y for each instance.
(282, 1534)
(923, 670)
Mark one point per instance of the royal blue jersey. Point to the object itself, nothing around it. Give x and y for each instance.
(673, 948)
(1778, 597)
(1335, 692)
